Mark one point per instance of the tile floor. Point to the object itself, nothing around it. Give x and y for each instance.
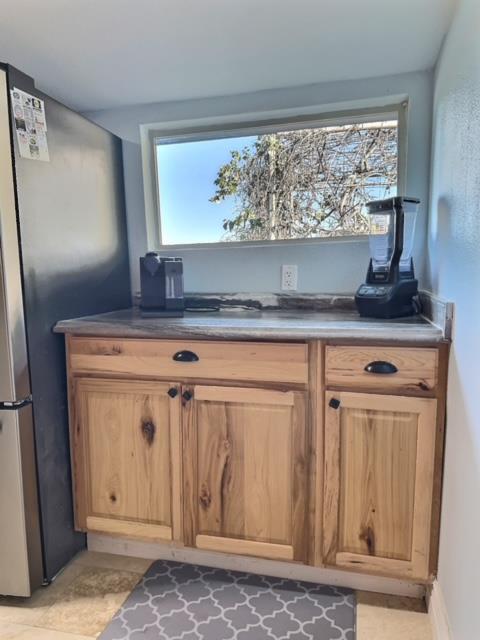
(84, 597)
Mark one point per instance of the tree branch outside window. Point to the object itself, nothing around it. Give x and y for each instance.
(308, 183)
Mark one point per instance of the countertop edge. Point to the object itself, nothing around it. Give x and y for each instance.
(428, 334)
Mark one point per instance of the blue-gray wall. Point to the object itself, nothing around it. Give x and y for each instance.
(333, 266)
(454, 273)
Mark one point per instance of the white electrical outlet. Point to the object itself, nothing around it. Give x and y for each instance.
(289, 277)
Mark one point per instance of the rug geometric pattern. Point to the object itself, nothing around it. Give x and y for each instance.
(177, 601)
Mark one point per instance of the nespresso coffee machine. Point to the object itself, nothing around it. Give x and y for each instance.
(161, 283)
(390, 288)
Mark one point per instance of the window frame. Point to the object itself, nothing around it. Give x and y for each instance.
(152, 136)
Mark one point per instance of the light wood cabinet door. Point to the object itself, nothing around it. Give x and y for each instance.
(245, 472)
(127, 461)
(379, 464)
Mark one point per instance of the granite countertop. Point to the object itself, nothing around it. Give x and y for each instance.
(254, 324)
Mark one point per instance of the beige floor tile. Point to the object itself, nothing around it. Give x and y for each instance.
(89, 601)
(112, 561)
(82, 600)
(12, 631)
(381, 617)
(29, 610)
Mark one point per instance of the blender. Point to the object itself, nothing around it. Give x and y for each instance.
(390, 288)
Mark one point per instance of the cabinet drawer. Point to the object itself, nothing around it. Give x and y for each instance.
(248, 361)
(399, 369)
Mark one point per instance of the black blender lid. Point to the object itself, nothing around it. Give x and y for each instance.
(389, 203)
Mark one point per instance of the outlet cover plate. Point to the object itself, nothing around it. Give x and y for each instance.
(289, 277)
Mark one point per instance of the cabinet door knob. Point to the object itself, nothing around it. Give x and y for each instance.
(187, 395)
(173, 392)
(334, 403)
(185, 356)
(381, 367)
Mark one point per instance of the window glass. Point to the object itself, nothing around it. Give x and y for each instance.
(304, 183)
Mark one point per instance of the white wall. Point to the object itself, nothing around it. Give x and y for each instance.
(335, 267)
(454, 273)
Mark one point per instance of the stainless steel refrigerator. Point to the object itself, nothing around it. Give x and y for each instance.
(63, 253)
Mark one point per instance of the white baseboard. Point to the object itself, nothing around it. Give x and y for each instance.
(438, 614)
(334, 577)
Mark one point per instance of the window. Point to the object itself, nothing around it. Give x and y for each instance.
(286, 182)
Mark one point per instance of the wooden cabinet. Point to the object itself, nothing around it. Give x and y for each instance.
(127, 458)
(244, 461)
(245, 472)
(222, 452)
(379, 466)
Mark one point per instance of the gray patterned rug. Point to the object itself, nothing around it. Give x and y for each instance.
(176, 601)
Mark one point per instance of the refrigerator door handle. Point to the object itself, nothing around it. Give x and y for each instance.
(14, 405)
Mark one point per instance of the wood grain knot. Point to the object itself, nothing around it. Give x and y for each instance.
(148, 432)
(114, 350)
(368, 536)
(205, 497)
(424, 386)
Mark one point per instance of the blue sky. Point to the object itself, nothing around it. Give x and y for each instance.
(187, 172)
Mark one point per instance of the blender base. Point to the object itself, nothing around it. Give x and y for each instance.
(387, 301)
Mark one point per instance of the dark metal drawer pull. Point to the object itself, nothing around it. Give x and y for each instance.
(380, 366)
(334, 403)
(185, 356)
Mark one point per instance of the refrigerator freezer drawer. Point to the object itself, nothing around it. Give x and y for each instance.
(21, 569)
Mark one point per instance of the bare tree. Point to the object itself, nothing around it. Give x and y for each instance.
(308, 183)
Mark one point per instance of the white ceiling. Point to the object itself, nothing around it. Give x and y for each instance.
(95, 54)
